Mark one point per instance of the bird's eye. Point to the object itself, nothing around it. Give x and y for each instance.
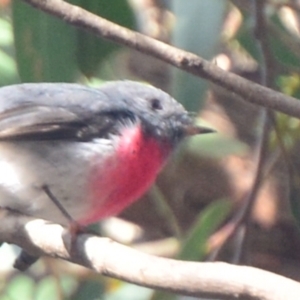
(155, 104)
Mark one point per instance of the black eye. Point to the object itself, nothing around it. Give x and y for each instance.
(155, 104)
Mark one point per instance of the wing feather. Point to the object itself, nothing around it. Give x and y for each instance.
(39, 122)
(50, 111)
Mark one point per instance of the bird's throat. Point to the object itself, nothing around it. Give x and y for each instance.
(129, 173)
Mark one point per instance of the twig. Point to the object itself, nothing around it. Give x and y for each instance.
(267, 119)
(267, 116)
(213, 280)
(184, 60)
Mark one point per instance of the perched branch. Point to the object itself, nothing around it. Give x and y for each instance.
(187, 61)
(213, 280)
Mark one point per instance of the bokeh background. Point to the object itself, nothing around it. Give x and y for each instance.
(190, 213)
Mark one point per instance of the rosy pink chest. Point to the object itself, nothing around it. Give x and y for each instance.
(127, 175)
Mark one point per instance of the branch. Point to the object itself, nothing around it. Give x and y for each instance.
(213, 280)
(184, 60)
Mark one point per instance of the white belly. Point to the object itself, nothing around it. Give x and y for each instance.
(25, 167)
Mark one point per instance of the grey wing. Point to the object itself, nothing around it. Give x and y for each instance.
(49, 111)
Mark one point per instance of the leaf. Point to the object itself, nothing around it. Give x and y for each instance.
(44, 45)
(194, 247)
(89, 289)
(245, 37)
(8, 72)
(6, 38)
(215, 146)
(48, 288)
(284, 47)
(92, 50)
(197, 29)
(21, 287)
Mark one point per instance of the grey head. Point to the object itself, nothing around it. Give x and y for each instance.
(161, 116)
(49, 111)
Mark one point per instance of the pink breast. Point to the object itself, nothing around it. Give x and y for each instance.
(127, 174)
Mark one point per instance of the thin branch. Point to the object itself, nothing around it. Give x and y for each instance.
(213, 280)
(266, 80)
(267, 117)
(242, 217)
(184, 60)
(261, 35)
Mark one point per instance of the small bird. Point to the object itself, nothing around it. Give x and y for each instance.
(69, 151)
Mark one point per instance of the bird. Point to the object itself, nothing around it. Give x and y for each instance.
(72, 152)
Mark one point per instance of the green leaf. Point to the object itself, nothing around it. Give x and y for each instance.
(197, 29)
(21, 287)
(47, 289)
(89, 289)
(8, 71)
(44, 45)
(6, 38)
(68, 284)
(246, 39)
(92, 50)
(284, 47)
(215, 146)
(194, 246)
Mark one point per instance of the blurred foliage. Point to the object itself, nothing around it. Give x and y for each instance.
(92, 51)
(8, 72)
(290, 84)
(283, 43)
(37, 47)
(215, 146)
(47, 49)
(202, 39)
(49, 287)
(194, 247)
(44, 45)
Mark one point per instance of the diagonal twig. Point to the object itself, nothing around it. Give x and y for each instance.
(184, 60)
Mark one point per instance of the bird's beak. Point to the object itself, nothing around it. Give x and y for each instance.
(196, 129)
